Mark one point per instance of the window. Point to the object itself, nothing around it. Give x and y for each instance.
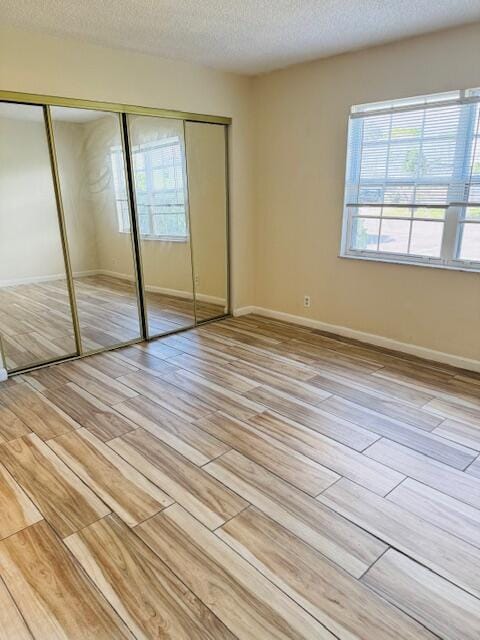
(159, 189)
(412, 191)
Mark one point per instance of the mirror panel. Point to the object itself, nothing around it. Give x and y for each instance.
(207, 188)
(36, 322)
(91, 168)
(159, 170)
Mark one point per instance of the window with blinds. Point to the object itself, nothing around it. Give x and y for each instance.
(412, 191)
(159, 189)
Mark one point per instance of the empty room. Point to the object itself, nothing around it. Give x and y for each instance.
(240, 320)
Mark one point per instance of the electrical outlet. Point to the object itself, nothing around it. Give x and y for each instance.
(306, 302)
(196, 281)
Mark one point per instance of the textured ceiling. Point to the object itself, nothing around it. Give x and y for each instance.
(246, 36)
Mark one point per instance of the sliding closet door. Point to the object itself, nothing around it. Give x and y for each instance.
(36, 322)
(158, 164)
(207, 188)
(91, 169)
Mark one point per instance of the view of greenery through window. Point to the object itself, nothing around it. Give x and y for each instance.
(408, 172)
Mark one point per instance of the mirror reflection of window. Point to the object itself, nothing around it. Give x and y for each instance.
(157, 150)
(159, 188)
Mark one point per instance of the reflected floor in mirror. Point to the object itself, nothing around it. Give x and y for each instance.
(35, 319)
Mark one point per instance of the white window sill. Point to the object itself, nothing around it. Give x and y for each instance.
(474, 268)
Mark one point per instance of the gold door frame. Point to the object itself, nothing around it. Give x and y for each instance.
(115, 107)
(47, 101)
(63, 228)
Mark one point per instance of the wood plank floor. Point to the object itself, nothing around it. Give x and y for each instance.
(36, 322)
(246, 479)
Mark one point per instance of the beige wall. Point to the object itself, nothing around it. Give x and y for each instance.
(301, 125)
(37, 63)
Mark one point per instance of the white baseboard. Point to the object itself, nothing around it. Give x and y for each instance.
(3, 375)
(369, 338)
(177, 293)
(35, 280)
(243, 311)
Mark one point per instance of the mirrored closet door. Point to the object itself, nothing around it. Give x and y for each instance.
(113, 226)
(157, 148)
(36, 321)
(91, 169)
(207, 188)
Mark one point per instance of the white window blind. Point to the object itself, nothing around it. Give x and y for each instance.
(412, 190)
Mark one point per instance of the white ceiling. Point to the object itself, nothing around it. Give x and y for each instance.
(246, 36)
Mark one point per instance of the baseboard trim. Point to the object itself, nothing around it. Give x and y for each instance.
(244, 311)
(177, 293)
(368, 338)
(50, 278)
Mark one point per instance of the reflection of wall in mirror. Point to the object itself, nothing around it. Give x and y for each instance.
(30, 241)
(205, 144)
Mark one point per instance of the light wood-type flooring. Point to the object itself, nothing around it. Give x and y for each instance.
(36, 321)
(245, 479)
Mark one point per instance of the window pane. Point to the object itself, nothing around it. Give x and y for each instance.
(374, 161)
(140, 181)
(394, 236)
(470, 244)
(427, 212)
(159, 227)
(407, 124)
(365, 234)
(405, 160)
(472, 213)
(368, 211)
(144, 223)
(138, 161)
(438, 157)
(376, 128)
(442, 121)
(399, 194)
(123, 216)
(396, 212)
(426, 238)
(431, 193)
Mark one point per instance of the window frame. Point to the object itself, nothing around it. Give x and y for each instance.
(455, 219)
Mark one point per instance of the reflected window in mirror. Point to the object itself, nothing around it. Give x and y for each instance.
(158, 169)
